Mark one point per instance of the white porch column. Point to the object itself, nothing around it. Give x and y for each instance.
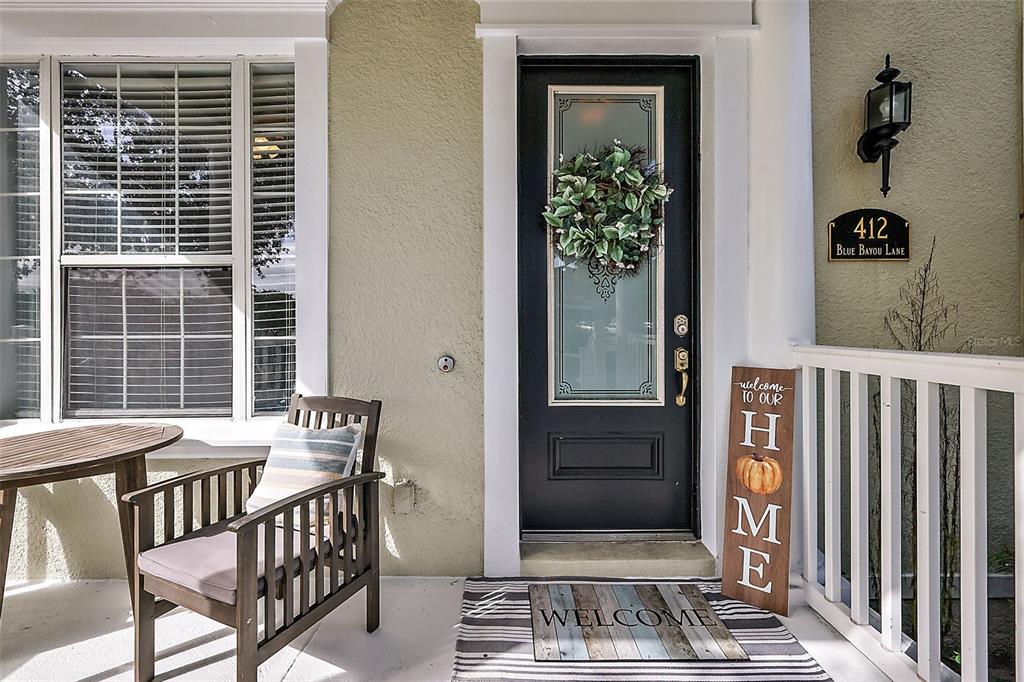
(781, 210)
(781, 283)
(501, 333)
(312, 217)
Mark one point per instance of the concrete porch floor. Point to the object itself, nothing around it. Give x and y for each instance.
(83, 631)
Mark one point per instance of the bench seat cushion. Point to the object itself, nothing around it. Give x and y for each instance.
(204, 561)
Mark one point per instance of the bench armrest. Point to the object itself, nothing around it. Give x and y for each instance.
(288, 504)
(151, 491)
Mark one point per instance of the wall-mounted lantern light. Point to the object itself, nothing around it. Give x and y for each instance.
(886, 114)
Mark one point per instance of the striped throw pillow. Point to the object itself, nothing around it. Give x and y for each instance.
(302, 458)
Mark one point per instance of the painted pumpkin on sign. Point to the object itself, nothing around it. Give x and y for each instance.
(759, 474)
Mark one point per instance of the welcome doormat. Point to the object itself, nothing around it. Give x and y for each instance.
(615, 629)
(627, 622)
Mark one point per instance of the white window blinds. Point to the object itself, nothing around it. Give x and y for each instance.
(146, 169)
(272, 171)
(146, 158)
(19, 241)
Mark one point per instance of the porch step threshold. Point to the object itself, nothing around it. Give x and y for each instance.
(629, 559)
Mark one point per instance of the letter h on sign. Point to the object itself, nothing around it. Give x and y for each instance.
(749, 428)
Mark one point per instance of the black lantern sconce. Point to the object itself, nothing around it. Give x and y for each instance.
(886, 114)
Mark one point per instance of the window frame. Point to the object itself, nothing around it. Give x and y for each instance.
(53, 260)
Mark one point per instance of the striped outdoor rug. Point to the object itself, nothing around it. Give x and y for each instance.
(496, 639)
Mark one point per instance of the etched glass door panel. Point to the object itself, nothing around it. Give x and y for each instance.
(605, 329)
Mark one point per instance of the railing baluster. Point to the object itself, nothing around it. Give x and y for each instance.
(1018, 530)
(349, 534)
(188, 492)
(222, 496)
(973, 535)
(318, 568)
(288, 550)
(361, 531)
(236, 487)
(891, 511)
(304, 558)
(859, 497)
(833, 491)
(204, 501)
(269, 577)
(928, 511)
(168, 515)
(809, 422)
(332, 584)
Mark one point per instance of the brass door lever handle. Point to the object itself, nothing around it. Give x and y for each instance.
(682, 364)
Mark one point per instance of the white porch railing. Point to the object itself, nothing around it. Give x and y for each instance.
(974, 375)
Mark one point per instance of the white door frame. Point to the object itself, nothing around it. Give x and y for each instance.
(756, 199)
(723, 230)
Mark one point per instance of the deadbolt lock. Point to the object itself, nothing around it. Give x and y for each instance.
(681, 325)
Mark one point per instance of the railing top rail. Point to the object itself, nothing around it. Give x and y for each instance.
(988, 372)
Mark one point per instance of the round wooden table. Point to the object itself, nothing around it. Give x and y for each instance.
(62, 454)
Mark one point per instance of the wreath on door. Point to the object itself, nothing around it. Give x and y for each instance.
(607, 209)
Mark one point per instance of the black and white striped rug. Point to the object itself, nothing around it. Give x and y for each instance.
(496, 640)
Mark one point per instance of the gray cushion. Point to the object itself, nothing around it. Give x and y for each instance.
(204, 561)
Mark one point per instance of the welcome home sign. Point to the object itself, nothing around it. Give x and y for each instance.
(759, 487)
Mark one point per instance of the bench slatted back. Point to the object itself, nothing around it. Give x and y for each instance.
(328, 412)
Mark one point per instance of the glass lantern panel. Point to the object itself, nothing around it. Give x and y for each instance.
(879, 107)
(900, 103)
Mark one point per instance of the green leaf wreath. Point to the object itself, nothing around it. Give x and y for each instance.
(607, 210)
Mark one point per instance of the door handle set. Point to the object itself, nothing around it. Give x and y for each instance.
(682, 365)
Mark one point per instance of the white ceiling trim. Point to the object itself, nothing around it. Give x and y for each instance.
(615, 18)
(615, 31)
(159, 5)
(161, 27)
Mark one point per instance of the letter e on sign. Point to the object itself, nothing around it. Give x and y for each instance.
(759, 488)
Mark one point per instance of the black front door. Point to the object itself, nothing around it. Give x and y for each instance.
(605, 446)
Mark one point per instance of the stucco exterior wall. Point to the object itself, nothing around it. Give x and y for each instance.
(406, 262)
(955, 174)
(69, 530)
(405, 288)
(956, 177)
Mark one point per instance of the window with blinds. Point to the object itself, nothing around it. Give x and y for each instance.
(19, 241)
(272, 172)
(146, 171)
(146, 158)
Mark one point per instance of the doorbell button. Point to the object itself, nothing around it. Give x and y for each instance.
(446, 363)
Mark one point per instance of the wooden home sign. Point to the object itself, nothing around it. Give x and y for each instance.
(869, 234)
(759, 488)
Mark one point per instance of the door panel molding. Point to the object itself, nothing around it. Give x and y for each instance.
(586, 457)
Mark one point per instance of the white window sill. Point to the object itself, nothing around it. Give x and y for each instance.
(204, 438)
